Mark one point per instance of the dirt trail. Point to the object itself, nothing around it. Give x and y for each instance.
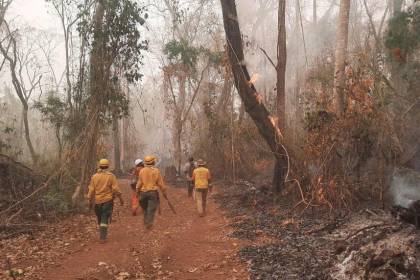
(181, 246)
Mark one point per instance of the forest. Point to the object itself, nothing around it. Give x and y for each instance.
(305, 112)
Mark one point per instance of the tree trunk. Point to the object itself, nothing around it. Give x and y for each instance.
(59, 143)
(340, 58)
(17, 84)
(125, 137)
(97, 88)
(117, 146)
(314, 13)
(177, 143)
(34, 156)
(397, 6)
(281, 66)
(266, 125)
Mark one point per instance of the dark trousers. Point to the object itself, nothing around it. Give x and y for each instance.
(190, 187)
(103, 212)
(149, 202)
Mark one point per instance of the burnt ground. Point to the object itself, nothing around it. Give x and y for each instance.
(366, 244)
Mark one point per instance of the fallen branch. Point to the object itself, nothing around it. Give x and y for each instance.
(43, 186)
(329, 227)
(14, 216)
(16, 226)
(365, 228)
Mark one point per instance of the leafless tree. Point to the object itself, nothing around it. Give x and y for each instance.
(25, 74)
(67, 12)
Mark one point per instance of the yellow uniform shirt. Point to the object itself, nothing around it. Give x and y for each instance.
(103, 186)
(150, 179)
(201, 177)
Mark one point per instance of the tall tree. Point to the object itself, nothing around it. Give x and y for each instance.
(19, 65)
(281, 65)
(340, 57)
(266, 124)
(116, 53)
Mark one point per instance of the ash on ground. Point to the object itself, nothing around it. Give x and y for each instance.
(368, 244)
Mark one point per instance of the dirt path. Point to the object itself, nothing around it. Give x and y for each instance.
(181, 246)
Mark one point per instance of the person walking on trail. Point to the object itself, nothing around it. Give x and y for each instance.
(148, 186)
(202, 183)
(103, 188)
(188, 171)
(135, 176)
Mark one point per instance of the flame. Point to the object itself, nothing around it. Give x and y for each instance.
(254, 78)
(259, 97)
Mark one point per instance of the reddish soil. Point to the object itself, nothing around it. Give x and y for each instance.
(181, 246)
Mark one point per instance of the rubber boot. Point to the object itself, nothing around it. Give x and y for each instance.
(103, 232)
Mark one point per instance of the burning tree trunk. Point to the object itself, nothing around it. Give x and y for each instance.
(251, 99)
(340, 57)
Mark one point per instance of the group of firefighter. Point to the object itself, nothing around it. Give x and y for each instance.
(147, 185)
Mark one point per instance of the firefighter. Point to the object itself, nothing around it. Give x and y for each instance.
(188, 171)
(103, 188)
(148, 186)
(135, 176)
(202, 183)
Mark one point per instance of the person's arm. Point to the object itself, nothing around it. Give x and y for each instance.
(193, 177)
(139, 184)
(116, 190)
(91, 194)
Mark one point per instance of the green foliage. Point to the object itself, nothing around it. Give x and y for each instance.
(4, 144)
(120, 35)
(8, 133)
(404, 31)
(182, 52)
(53, 110)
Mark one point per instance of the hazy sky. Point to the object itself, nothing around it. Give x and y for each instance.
(37, 13)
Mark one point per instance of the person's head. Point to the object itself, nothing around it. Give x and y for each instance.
(149, 160)
(138, 162)
(201, 162)
(191, 159)
(104, 163)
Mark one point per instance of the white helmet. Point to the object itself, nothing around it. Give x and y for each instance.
(138, 161)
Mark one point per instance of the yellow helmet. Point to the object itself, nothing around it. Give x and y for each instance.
(104, 163)
(149, 160)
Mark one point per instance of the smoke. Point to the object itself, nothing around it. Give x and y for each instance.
(405, 187)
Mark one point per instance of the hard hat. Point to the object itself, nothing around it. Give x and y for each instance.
(149, 160)
(104, 162)
(138, 161)
(201, 162)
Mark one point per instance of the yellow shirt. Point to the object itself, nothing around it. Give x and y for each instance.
(201, 177)
(103, 186)
(150, 179)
